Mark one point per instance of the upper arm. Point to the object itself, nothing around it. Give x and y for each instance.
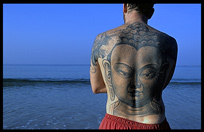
(96, 79)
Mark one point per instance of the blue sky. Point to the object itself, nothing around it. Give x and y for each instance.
(64, 33)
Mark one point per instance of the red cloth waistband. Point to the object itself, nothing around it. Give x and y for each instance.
(115, 122)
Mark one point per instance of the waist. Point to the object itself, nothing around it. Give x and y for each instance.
(151, 113)
(133, 124)
(149, 119)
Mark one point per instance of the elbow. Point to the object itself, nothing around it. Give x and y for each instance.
(95, 91)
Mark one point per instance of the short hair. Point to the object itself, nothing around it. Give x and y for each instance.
(144, 8)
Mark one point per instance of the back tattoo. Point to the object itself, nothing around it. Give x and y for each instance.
(136, 62)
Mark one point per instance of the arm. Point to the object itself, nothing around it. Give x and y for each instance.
(96, 79)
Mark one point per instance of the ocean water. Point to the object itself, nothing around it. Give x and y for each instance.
(60, 97)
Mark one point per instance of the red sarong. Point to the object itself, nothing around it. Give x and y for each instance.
(115, 122)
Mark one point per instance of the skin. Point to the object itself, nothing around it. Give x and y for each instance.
(134, 82)
(133, 63)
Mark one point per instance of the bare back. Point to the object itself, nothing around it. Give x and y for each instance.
(137, 62)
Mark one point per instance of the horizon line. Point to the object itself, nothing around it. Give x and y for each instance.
(83, 64)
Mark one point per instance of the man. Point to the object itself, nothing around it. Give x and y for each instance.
(133, 63)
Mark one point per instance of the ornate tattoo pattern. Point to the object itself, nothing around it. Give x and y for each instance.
(135, 67)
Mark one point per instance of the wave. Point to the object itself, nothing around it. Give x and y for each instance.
(21, 82)
(44, 80)
(185, 81)
(35, 81)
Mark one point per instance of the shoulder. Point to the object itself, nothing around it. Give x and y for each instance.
(103, 43)
(111, 33)
(104, 39)
(163, 36)
(168, 44)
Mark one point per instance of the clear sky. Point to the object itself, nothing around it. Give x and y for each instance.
(64, 33)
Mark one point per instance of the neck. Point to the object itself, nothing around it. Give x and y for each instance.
(135, 17)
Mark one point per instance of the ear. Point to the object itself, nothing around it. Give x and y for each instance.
(124, 7)
(107, 67)
(164, 68)
(162, 74)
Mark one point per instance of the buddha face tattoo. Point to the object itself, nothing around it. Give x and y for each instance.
(135, 66)
(134, 83)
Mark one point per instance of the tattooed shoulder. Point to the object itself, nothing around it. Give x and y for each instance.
(102, 45)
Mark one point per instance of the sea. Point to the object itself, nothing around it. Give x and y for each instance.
(60, 97)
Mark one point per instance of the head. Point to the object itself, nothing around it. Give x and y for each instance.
(145, 9)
